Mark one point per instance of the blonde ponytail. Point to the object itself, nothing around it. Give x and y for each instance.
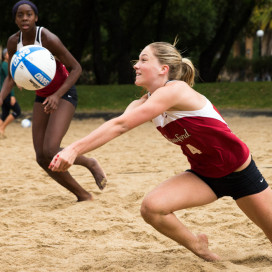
(179, 68)
(187, 72)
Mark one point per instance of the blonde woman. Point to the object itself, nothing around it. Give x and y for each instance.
(221, 164)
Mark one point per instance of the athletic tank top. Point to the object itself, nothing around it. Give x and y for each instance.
(205, 139)
(61, 71)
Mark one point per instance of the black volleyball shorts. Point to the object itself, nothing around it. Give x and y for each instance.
(249, 181)
(70, 95)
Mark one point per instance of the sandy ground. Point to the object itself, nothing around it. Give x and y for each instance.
(42, 228)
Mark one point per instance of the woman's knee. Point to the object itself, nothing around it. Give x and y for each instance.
(50, 153)
(50, 149)
(45, 154)
(45, 157)
(41, 160)
(150, 208)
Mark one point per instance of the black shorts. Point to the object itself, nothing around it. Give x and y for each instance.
(70, 95)
(6, 107)
(237, 184)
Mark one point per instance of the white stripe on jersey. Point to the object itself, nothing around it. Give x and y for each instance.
(170, 116)
(38, 39)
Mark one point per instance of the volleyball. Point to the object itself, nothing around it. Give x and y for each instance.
(26, 123)
(33, 67)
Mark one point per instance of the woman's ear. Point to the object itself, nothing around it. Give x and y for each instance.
(164, 69)
(36, 18)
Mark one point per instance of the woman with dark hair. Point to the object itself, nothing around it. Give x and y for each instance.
(55, 104)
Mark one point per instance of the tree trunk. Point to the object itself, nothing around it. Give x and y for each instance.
(267, 42)
(81, 34)
(213, 58)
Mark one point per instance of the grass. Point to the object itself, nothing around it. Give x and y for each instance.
(115, 98)
(238, 95)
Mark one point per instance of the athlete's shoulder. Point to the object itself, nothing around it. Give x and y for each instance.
(179, 86)
(13, 38)
(45, 31)
(185, 96)
(12, 43)
(48, 36)
(177, 83)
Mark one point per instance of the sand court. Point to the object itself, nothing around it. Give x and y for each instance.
(43, 229)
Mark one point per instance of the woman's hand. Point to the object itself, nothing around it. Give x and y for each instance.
(63, 160)
(51, 103)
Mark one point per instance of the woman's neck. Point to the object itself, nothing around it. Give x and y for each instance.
(28, 37)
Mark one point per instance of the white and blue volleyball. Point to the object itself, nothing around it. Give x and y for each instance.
(33, 67)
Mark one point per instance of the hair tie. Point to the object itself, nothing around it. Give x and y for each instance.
(22, 2)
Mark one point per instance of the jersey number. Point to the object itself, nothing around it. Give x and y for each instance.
(193, 149)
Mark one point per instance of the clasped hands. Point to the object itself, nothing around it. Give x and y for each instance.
(63, 160)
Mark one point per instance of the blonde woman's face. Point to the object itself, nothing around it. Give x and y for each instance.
(147, 68)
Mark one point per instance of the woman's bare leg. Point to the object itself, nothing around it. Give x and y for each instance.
(4, 124)
(258, 208)
(179, 192)
(48, 131)
(96, 170)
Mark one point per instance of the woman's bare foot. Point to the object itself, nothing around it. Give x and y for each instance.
(98, 173)
(203, 251)
(2, 134)
(87, 197)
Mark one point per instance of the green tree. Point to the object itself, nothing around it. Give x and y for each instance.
(233, 17)
(106, 35)
(262, 19)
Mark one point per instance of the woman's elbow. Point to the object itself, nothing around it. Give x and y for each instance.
(121, 125)
(78, 69)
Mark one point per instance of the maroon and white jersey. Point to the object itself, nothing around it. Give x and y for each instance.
(61, 71)
(205, 138)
